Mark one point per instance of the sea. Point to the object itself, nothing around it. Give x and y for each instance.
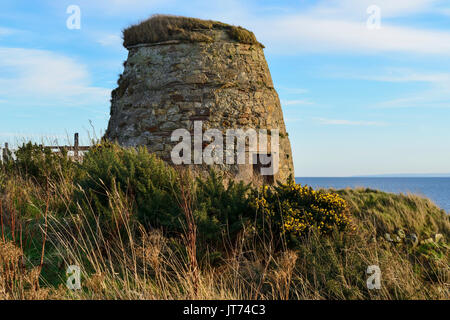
(437, 189)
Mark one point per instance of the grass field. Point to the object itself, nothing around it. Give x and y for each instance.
(139, 229)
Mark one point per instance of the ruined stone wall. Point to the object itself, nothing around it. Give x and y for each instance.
(167, 86)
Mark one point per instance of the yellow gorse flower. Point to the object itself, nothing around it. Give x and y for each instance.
(300, 208)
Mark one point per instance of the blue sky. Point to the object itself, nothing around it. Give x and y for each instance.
(356, 101)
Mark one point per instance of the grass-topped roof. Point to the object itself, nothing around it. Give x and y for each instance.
(160, 28)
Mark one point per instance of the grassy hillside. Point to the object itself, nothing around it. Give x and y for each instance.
(139, 229)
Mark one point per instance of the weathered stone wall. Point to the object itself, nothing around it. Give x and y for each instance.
(167, 86)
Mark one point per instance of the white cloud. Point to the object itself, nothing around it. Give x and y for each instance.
(330, 26)
(31, 136)
(349, 122)
(292, 120)
(292, 90)
(396, 75)
(119, 7)
(411, 77)
(6, 31)
(434, 98)
(357, 8)
(340, 26)
(111, 40)
(295, 102)
(302, 33)
(342, 9)
(46, 78)
(435, 95)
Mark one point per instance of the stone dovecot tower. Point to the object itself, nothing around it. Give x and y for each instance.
(182, 72)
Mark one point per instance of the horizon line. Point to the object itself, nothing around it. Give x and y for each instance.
(394, 175)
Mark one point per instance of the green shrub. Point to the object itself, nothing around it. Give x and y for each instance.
(109, 171)
(221, 210)
(40, 163)
(112, 171)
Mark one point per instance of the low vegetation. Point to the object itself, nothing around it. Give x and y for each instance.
(140, 229)
(161, 28)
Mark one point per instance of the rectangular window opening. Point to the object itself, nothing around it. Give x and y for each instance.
(259, 162)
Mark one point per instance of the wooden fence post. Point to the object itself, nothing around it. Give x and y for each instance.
(75, 146)
(5, 152)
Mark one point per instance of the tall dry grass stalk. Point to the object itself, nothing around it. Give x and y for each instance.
(186, 201)
(16, 282)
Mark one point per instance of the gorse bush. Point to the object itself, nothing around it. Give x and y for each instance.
(153, 187)
(134, 173)
(110, 173)
(40, 163)
(221, 209)
(295, 210)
